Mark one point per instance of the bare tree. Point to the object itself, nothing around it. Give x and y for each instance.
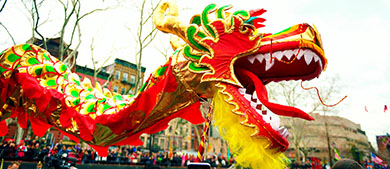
(70, 25)
(10, 35)
(74, 9)
(290, 93)
(2, 6)
(143, 36)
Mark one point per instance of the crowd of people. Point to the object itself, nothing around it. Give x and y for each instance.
(38, 150)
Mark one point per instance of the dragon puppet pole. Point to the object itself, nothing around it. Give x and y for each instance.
(204, 138)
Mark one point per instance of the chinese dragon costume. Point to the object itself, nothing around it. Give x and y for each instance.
(224, 58)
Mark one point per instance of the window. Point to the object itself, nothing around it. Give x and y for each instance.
(123, 91)
(117, 74)
(66, 138)
(49, 138)
(162, 143)
(125, 75)
(115, 88)
(132, 79)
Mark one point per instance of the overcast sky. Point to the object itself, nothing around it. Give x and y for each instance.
(355, 35)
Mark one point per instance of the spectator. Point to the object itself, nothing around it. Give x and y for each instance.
(22, 149)
(14, 165)
(39, 165)
(347, 164)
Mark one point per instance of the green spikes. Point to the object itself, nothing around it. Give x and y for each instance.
(205, 20)
(197, 68)
(196, 20)
(220, 10)
(161, 71)
(187, 52)
(191, 30)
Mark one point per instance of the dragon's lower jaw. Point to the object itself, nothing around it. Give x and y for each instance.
(252, 103)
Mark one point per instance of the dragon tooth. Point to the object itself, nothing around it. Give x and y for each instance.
(275, 122)
(269, 62)
(252, 58)
(247, 96)
(266, 118)
(242, 90)
(308, 58)
(268, 65)
(254, 96)
(278, 55)
(316, 58)
(288, 54)
(260, 57)
(253, 104)
(301, 53)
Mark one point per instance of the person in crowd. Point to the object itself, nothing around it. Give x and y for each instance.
(14, 165)
(22, 149)
(347, 164)
(39, 165)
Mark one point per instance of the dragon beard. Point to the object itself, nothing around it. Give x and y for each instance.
(248, 150)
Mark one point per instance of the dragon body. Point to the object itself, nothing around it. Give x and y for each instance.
(224, 59)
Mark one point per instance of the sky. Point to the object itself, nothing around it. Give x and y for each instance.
(355, 35)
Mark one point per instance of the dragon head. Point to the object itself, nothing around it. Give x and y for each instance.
(237, 61)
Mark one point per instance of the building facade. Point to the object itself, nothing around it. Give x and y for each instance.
(383, 143)
(102, 77)
(344, 135)
(124, 76)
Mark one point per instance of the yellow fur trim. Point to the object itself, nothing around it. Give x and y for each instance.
(249, 151)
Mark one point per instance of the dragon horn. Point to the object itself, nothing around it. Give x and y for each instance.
(171, 23)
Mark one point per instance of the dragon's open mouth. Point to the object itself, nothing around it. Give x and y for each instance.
(298, 59)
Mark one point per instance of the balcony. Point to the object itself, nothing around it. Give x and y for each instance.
(127, 83)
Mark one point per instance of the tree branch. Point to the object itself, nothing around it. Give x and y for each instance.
(36, 25)
(2, 7)
(13, 40)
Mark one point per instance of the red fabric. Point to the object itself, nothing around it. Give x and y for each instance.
(228, 47)
(72, 137)
(102, 150)
(30, 85)
(22, 116)
(258, 21)
(66, 116)
(86, 126)
(43, 101)
(149, 96)
(132, 140)
(262, 95)
(3, 128)
(257, 12)
(39, 128)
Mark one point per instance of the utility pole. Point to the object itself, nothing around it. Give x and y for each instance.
(328, 140)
